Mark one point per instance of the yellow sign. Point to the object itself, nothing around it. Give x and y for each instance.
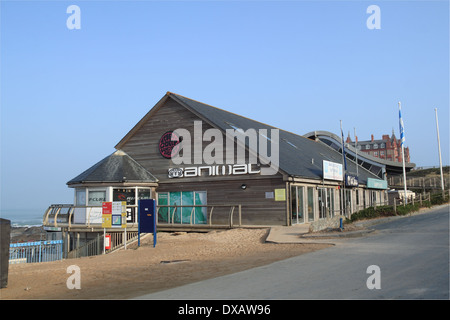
(280, 194)
(106, 221)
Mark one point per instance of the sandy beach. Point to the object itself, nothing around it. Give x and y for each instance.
(177, 259)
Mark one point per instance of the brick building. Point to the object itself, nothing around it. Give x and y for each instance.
(388, 148)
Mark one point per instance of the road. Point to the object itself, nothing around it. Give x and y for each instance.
(411, 254)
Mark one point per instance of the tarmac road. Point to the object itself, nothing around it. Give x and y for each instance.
(411, 253)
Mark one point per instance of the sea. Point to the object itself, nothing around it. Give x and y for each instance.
(23, 217)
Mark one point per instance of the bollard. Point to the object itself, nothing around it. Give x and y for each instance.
(5, 231)
(340, 224)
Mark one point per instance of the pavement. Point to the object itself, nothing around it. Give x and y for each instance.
(300, 233)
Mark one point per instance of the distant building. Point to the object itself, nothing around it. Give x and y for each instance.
(388, 148)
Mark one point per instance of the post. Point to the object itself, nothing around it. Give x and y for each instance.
(104, 239)
(343, 170)
(240, 215)
(402, 140)
(125, 238)
(395, 206)
(139, 221)
(439, 149)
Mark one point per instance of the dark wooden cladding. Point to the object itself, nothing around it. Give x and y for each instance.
(224, 189)
(256, 208)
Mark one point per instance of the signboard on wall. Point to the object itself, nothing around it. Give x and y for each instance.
(376, 183)
(168, 144)
(280, 194)
(332, 171)
(351, 180)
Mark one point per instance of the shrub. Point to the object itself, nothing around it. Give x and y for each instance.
(387, 211)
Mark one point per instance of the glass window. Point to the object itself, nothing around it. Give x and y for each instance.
(330, 201)
(174, 214)
(294, 204)
(96, 197)
(144, 194)
(127, 195)
(163, 200)
(200, 212)
(80, 197)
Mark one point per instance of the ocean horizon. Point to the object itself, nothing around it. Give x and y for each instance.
(23, 217)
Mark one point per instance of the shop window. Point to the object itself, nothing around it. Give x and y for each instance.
(144, 194)
(80, 197)
(178, 210)
(96, 197)
(128, 195)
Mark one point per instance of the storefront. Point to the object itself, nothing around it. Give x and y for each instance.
(208, 167)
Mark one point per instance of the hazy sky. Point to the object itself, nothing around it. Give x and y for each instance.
(69, 95)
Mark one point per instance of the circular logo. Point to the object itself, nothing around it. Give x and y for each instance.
(168, 144)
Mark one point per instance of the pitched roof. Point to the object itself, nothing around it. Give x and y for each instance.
(115, 168)
(298, 155)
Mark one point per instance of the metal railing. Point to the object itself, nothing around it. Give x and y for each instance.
(37, 251)
(172, 221)
(433, 182)
(95, 246)
(62, 215)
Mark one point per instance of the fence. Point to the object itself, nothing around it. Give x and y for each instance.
(95, 246)
(173, 214)
(419, 182)
(39, 251)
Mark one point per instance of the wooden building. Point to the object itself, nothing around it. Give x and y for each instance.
(229, 191)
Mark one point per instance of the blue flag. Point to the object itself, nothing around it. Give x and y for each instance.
(400, 122)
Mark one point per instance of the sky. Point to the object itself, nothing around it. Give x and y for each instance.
(68, 95)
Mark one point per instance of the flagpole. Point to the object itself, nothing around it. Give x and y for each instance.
(439, 149)
(402, 140)
(343, 169)
(356, 151)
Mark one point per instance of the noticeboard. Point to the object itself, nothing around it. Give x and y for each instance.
(114, 214)
(106, 214)
(147, 218)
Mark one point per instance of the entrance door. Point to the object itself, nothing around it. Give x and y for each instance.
(323, 207)
(297, 210)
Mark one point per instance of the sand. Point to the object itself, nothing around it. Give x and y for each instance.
(177, 259)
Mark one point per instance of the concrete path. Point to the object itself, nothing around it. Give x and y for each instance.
(411, 255)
